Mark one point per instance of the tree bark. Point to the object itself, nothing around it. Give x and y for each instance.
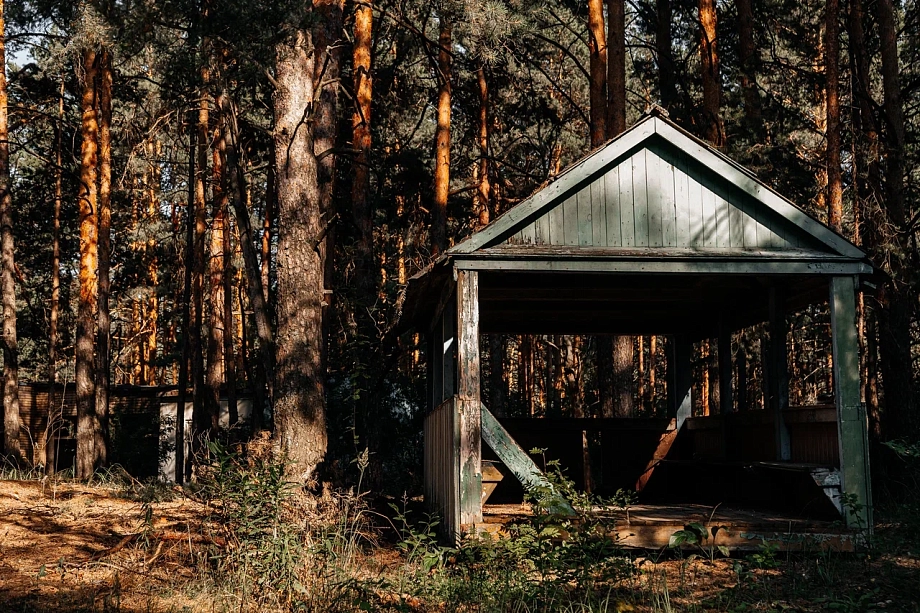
(11, 418)
(365, 271)
(616, 68)
(204, 411)
(832, 75)
(300, 412)
(709, 64)
(667, 88)
(606, 381)
(895, 296)
(747, 49)
(54, 418)
(624, 385)
(483, 203)
(263, 390)
(442, 142)
(182, 393)
(104, 219)
(597, 71)
(86, 305)
(217, 331)
(267, 223)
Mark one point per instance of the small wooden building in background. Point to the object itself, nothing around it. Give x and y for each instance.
(653, 233)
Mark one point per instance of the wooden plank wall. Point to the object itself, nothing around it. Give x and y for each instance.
(442, 466)
(658, 197)
(751, 438)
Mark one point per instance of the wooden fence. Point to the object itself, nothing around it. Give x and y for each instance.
(442, 465)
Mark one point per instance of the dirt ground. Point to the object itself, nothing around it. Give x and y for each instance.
(66, 547)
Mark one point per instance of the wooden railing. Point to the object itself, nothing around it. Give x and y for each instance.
(442, 466)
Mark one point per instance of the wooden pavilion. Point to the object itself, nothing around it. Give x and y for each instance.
(654, 233)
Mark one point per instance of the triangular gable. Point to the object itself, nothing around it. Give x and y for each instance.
(657, 186)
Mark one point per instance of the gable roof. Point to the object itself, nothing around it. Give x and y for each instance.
(657, 186)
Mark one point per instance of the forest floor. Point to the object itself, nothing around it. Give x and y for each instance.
(66, 547)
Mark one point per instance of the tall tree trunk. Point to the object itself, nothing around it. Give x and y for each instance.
(267, 219)
(747, 50)
(895, 297)
(483, 200)
(263, 388)
(442, 142)
(54, 418)
(228, 272)
(868, 192)
(365, 271)
(217, 331)
(300, 411)
(667, 87)
(832, 74)
(597, 71)
(204, 411)
(709, 63)
(624, 384)
(616, 67)
(190, 217)
(104, 219)
(11, 419)
(151, 321)
(86, 305)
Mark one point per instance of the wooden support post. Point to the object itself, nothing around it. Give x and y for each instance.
(680, 375)
(852, 428)
(468, 397)
(777, 391)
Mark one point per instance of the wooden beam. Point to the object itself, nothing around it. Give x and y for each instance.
(667, 266)
(778, 373)
(851, 414)
(468, 397)
(520, 464)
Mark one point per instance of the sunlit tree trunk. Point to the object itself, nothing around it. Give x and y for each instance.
(709, 64)
(624, 384)
(832, 75)
(86, 305)
(365, 280)
(214, 376)
(299, 401)
(104, 219)
(54, 416)
(616, 68)
(597, 71)
(204, 411)
(442, 142)
(11, 419)
(483, 200)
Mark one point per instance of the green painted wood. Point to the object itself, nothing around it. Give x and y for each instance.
(777, 376)
(852, 425)
(542, 231)
(528, 234)
(643, 156)
(640, 199)
(468, 397)
(673, 265)
(680, 379)
(598, 213)
(570, 220)
(585, 222)
(520, 464)
(683, 203)
(556, 226)
(654, 198)
(612, 207)
(627, 204)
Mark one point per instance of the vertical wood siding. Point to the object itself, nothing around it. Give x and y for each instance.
(657, 196)
(442, 466)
